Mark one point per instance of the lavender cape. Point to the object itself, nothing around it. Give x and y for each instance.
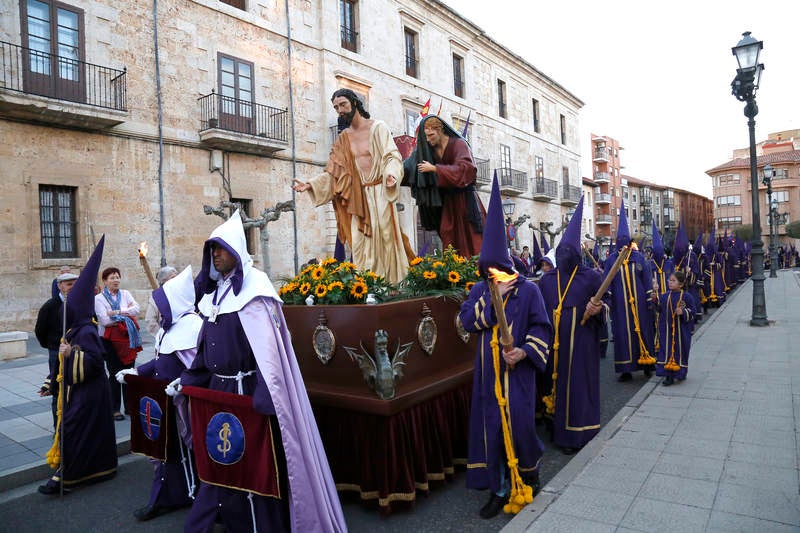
(675, 343)
(633, 280)
(532, 332)
(577, 416)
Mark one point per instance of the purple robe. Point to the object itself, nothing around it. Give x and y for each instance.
(662, 268)
(577, 412)
(89, 453)
(681, 339)
(169, 488)
(531, 329)
(637, 283)
(714, 282)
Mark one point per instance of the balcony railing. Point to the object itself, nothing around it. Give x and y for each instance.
(603, 219)
(570, 195)
(484, 172)
(544, 189)
(600, 154)
(411, 66)
(242, 126)
(31, 71)
(349, 38)
(602, 177)
(512, 181)
(646, 200)
(602, 198)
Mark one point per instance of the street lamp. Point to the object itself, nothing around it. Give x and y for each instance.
(744, 87)
(773, 208)
(508, 210)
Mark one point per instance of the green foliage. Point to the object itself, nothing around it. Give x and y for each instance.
(793, 229)
(744, 232)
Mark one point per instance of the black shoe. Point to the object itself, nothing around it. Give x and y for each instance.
(648, 372)
(569, 451)
(493, 506)
(119, 416)
(148, 512)
(669, 380)
(51, 489)
(625, 376)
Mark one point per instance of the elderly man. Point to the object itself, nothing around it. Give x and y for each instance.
(362, 179)
(49, 330)
(152, 319)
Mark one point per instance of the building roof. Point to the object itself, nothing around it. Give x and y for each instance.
(792, 156)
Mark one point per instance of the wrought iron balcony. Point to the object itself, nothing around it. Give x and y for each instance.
(602, 177)
(242, 126)
(512, 182)
(570, 195)
(412, 66)
(484, 172)
(602, 198)
(600, 154)
(88, 96)
(544, 189)
(646, 200)
(603, 219)
(349, 38)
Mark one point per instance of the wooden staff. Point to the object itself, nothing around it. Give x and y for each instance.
(497, 302)
(588, 253)
(598, 296)
(146, 265)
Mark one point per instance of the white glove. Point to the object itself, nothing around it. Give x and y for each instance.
(124, 372)
(174, 388)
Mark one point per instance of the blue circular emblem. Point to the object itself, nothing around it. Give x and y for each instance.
(512, 232)
(225, 438)
(150, 415)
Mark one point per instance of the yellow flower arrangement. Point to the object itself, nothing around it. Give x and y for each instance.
(333, 283)
(444, 272)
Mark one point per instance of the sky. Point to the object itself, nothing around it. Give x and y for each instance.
(656, 75)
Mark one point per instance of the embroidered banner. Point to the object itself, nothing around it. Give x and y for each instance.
(232, 442)
(153, 429)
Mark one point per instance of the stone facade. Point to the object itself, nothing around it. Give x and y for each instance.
(118, 167)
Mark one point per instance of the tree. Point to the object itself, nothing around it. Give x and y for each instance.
(793, 229)
(744, 232)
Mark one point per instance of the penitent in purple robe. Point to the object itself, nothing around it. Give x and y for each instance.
(577, 412)
(675, 343)
(531, 329)
(633, 280)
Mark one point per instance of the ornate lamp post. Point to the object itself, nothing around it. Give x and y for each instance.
(744, 87)
(773, 252)
(508, 210)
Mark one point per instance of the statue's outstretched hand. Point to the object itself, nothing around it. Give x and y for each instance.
(299, 186)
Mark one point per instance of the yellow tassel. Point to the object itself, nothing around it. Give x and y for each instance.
(54, 454)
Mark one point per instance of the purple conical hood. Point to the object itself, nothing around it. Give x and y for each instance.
(80, 301)
(623, 232)
(681, 247)
(537, 252)
(545, 244)
(711, 247)
(658, 244)
(568, 251)
(697, 245)
(494, 249)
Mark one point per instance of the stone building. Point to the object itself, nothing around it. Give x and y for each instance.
(733, 192)
(125, 119)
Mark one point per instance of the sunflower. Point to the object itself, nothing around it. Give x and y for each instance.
(328, 261)
(317, 273)
(321, 290)
(336, 285)
(359, 289)
(459, 259)
(428, 274)
(469, 285)
(438, 264)
(416, 261)
(453, 276)
(305, 287)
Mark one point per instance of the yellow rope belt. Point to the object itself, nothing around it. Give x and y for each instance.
(550, 400)
(54, 454)
(671, 365)
(645, 358)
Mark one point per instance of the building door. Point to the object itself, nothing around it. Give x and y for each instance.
(236, 87)
(53, 63)
(505, 165)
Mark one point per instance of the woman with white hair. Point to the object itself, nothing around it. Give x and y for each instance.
(152, 319)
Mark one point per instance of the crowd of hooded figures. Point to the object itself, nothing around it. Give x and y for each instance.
(543, 320)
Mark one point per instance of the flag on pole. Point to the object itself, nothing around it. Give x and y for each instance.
(422, 114)
(466, 125)
(439, 112)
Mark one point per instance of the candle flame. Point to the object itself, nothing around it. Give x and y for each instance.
(143, 249)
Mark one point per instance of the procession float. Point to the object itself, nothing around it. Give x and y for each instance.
(388, 371)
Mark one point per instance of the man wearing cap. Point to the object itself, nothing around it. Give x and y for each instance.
(49, 330)
(244, 347)
(503, 444)
(362, 181)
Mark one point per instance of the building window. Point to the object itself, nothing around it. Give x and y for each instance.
(539, 166)
(501, 99)
(458, 76)
(536, 115)
(347, 24)
(411, 52)
(729, 200)
(54, 64)
(411, 122)
(565, 178)
(239, 4)
(635, 217)
(563, 129)
(58, 221)
(725, 179)
(236, 89)
(779, 196)
(728, 222)
(245, 205)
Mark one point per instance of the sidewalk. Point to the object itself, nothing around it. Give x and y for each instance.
(718, 452)
(26, 421)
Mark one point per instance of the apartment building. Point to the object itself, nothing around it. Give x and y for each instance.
(128, 118)
(731, 181)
